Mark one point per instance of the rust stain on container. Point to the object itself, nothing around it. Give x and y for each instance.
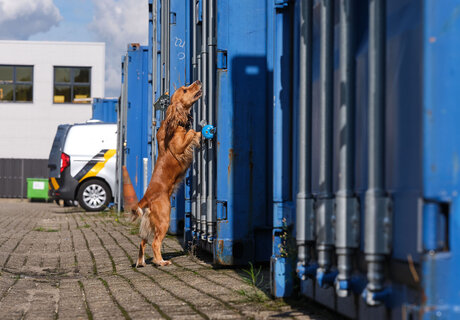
(220, 248)
(230, 160)
(220, 257)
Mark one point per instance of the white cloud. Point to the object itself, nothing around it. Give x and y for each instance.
(117, 23)
(19, 19)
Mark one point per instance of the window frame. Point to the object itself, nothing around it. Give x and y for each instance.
(15, 82)
(72, 83)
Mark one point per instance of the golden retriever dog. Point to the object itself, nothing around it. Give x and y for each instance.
(175, 153)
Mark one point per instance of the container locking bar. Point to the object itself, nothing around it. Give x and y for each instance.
(325, 201)
(211, 100)
(378, 208)
(305, 213)
(195, 174)
(346, 203)
(197, 44)
(204, 115)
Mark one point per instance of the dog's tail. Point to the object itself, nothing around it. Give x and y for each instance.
(131, 203)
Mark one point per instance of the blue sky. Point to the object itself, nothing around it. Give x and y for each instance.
(114, 22)
(76, 16)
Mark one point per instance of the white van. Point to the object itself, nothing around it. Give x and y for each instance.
(82, 164)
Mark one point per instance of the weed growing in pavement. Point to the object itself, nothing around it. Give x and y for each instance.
(134, 230)
(255, 279)
(112, 214)
(41, 229)
(192, 249)
(84, 226)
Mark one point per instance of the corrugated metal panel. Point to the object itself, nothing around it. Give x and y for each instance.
(105, 109)
(139, 117)
(13, 174)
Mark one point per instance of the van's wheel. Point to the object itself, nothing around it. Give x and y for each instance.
(94, 195)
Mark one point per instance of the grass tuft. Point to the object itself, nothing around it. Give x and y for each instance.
(134, 230)
(255, 280)
(41, 229)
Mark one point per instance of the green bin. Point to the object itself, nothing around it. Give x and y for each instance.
(37, 188)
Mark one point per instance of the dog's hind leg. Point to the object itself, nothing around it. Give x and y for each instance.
(161, 227)
(159, 217)
(140, 260)
(160, 233)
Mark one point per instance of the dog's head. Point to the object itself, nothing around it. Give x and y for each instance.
(187, 96)
(179, 109)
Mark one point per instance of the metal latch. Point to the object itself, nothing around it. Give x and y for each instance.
(162, 103)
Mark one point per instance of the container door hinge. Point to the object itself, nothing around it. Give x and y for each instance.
(222, 59)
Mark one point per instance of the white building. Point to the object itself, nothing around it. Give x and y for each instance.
(39, 82)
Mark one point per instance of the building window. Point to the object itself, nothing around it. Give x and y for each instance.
(72, 84)
(16, 83)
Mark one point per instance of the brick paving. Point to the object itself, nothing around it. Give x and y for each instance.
(63, 263)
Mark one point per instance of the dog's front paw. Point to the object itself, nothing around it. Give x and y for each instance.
(197, 138)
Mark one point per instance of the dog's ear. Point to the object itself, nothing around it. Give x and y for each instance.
(175, 115)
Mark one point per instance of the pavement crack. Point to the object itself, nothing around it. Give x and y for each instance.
(225, 303)
(133, 287)
(89, 314)
(73, 248)
(5, 293)
(123, 310)
(15, 247)
(114, 267)
(130, 259)
(87, 246)
(56, 310)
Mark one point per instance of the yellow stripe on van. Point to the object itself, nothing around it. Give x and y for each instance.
(100, 165)
(54, 183)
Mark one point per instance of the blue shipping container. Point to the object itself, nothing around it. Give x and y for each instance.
(138, 122)
(105, 109)
(336, 152)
